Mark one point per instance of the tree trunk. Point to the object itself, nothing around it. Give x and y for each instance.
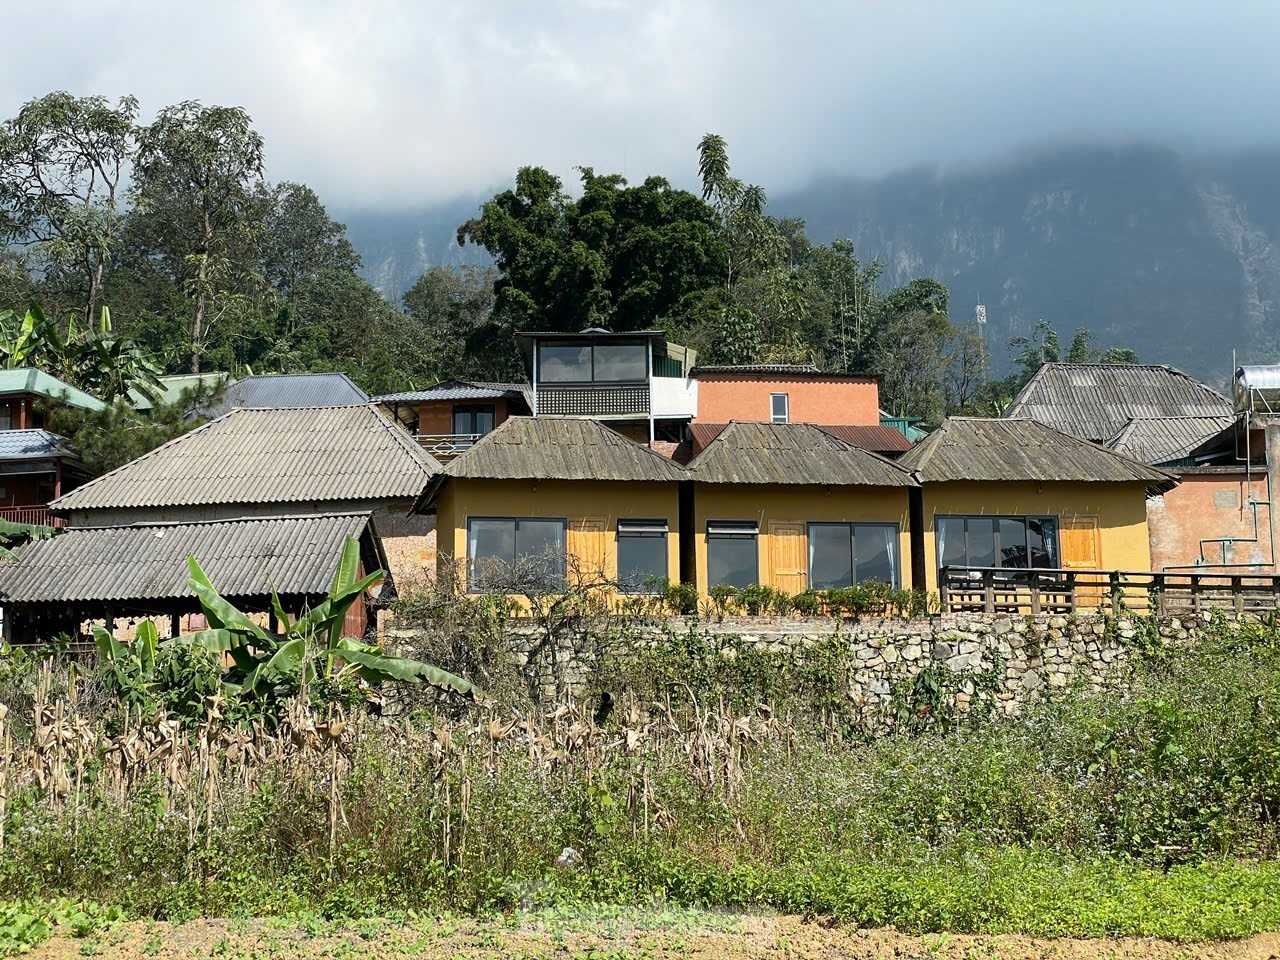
(197, 322)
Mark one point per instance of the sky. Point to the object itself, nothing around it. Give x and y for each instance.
(400, 105)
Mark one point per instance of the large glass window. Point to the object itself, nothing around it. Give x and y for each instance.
(642, 555)
(842, 554)
(601, 363)
(733, 556)
(475, 419)
(515, 555)
(1008, 542)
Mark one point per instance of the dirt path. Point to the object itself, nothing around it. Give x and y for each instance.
(688, 936)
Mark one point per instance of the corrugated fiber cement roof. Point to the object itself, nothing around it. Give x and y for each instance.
(243, 558)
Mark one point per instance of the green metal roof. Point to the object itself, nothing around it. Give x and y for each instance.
(171, 388)
(31, 380)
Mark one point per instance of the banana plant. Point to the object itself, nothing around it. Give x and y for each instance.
(128, 670)
(309, 647)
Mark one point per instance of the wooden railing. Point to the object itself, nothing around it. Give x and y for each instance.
(1003, 590)
(446, 446)
(37, 515)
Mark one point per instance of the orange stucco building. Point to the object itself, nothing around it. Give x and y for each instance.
(781, 393)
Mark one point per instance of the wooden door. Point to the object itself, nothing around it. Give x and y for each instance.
(586, 549)
(788, 563)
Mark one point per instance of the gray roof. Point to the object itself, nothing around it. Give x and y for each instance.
(791, 453)
(1165, 439)
(525, 448)
(318, 454)
(243, 558)
(970, 448)
(460, 390)
(32, 445)
(1094, 401)
(282, 391)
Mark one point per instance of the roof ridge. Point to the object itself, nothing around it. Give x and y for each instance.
(148, 524)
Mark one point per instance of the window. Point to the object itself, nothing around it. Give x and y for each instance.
(642, 555)
(779, 408)
(6, 417)
(733, 557)
(842, 554)
(1009, 542)
(601, 363)
(474, 419)
(515, 555)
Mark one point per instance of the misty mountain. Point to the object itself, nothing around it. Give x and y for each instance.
(1174, 256)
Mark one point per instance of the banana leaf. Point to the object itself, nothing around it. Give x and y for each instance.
(375, 666)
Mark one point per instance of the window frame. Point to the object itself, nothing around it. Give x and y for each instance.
(729, 533)
(471, 409)
(786, 408)
(637, 533)
(643, 345)
(994, 520)
(852, 525)
(471, 560)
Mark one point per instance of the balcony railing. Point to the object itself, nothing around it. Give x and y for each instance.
(446, 446)
(37, 515)
(1016, 591)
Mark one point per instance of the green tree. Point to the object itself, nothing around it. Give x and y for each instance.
(1080, 350)
(1034, 352)
(851, 290)
(969, 369)
(1120, 355)
(196, 172)
(453, 309)
(910, 355)
(63, 160)
(298, 237)
(753, 241)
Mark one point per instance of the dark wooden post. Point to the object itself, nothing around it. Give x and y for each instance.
(1157, 587)
(1071, 591)
(944, 602)
(1035, 593)
(1117, 592)
(989, 591)
(1195, 592)
(1237, 594)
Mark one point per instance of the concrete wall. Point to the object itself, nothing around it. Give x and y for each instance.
(1212, 506)
(1121, 509)
(835, 400)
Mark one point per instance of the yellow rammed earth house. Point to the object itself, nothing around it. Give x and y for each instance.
(539, 501)
(1018, 494)
(790, 506)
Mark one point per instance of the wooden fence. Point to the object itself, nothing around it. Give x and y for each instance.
(1060, 591)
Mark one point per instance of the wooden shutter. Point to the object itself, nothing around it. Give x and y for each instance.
(1081, 543)
(788, 566)
(586, 548)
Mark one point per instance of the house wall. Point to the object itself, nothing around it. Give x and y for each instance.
(25, 489)
(723, 397)
(796, 504)
(1121, 509)
(1208, 506)
(592, 508)
(436, 417)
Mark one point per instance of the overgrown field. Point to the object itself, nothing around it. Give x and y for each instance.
(1147, 808)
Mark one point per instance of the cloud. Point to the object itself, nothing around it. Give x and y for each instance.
(401, 104)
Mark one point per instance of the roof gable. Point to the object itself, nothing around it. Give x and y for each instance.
(34, 381)
(1160, 440)
(1094, 401)
(249, 455)
(528, 448)
(791, 453)
(970, 448)
(284, 391)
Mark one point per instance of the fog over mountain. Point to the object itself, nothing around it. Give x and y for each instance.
(1174, 255)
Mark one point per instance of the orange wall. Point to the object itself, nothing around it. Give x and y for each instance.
(834, 401)
(436, 418)
(1206, 506)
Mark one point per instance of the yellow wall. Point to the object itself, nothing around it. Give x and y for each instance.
(575, 500)
(1121, 509)
(798, 504)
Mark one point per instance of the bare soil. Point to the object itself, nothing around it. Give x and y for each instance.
(685, 936)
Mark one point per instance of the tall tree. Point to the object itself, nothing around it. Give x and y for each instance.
(969, 370)
(753, 241)
(299, 237)
(197, 169)
(62, 164)
(453, 308)
(1034, 352)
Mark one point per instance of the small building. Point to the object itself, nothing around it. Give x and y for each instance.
(1017, 494)
(885, 441)
(174, 387)
(786, 393)
(140, 570)
(794, 507)
(540, 501)
(252, 463)
(449, 417)
(25, 390)
(36, 466)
